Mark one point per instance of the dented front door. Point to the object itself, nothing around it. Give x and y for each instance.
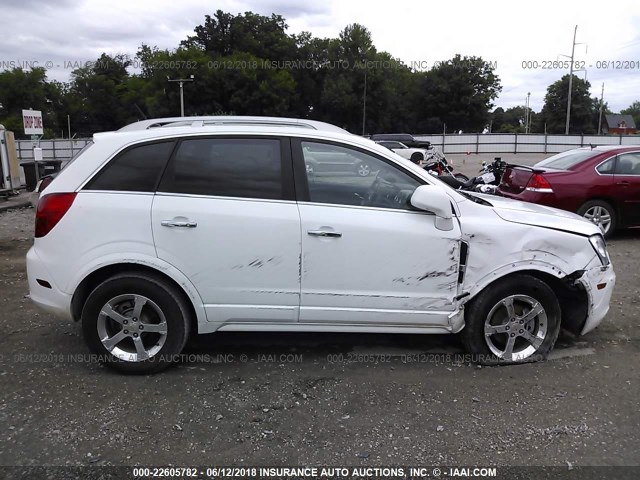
(372, 265)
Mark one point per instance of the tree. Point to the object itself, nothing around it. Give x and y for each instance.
(23, 89)
(634, 111)
(459, 92)
(554, 111)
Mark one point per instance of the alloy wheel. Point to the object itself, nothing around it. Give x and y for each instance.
(132, 327)
(600, 216)
(516, 327)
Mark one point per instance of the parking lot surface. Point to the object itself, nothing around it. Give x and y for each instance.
(324, 399)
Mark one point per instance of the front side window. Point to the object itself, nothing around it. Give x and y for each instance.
(628, 164)
(228, 167)
(345, 176)
(137, 169)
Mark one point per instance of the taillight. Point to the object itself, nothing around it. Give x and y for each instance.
(51, 209)
(537, 183)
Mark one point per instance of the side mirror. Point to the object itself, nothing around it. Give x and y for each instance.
(431, 198)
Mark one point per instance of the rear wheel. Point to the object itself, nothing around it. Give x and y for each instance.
(600, 213)
(136, 323)
(516, 320)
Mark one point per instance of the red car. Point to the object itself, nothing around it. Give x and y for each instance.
(600, 183)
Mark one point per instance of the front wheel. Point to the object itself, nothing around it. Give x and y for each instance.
(516, 320)
(461, 176)
(136, 323)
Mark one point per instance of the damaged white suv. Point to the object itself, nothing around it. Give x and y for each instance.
(173, 227)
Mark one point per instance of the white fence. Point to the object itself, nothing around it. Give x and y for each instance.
(63, 150)
(521, 143)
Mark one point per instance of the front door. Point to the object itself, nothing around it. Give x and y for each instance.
(368, 257)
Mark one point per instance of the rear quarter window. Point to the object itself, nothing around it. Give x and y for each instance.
(137, 169)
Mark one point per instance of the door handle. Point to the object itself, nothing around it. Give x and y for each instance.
(623, 184)
(175, 223)
(324, 233)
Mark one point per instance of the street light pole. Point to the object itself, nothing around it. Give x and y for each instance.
(181, 84)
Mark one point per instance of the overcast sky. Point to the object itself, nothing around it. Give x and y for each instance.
(505, 32)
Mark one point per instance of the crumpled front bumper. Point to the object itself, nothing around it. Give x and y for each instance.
(599, 282)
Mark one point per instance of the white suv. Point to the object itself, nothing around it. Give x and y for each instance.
(173, 227)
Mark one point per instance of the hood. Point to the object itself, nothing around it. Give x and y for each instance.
(539, 215)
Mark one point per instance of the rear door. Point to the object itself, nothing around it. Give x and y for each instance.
(224, 214)
(627, 187)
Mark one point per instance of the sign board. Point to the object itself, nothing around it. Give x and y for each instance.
(32, 121)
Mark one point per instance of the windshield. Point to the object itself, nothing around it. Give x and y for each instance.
(566, 160)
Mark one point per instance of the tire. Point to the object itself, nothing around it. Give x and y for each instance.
(596, 211)
(461, 176)
(489, 312)
(416, 157)
(140, 350)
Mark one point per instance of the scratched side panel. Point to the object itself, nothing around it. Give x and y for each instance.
(388, 267)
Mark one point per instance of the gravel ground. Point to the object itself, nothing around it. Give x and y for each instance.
(325, 399)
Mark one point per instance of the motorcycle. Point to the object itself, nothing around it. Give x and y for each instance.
(487, 182)
(437, 165)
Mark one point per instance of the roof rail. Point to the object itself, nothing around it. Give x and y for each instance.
(223, 120)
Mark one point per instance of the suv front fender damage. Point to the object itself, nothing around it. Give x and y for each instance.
(563, 260)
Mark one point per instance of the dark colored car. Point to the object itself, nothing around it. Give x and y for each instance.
(405, 138)
(600, 183)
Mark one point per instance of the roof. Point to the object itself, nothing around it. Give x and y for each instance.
(614, 119)
(226, 120)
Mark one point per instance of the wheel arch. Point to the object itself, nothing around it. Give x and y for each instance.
(94, 278)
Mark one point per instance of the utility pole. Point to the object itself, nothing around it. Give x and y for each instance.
(526, 113)
(364, 100)
(573, 49)
(181, 83)
(600, 114)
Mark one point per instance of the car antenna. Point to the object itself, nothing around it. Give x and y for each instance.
(592, 146)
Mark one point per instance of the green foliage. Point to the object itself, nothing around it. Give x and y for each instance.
(634, 111)
(247, 64)
(554, 112)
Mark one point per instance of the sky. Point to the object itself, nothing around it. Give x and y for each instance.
(520, 38)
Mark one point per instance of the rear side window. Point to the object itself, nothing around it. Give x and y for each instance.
(228, 167)
(606, 168)
(137, 169)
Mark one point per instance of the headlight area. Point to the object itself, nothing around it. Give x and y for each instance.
(598, 244)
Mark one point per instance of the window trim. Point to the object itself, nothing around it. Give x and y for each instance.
(123, 151)
(302, 184)
(615, 164)
(286, 167)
